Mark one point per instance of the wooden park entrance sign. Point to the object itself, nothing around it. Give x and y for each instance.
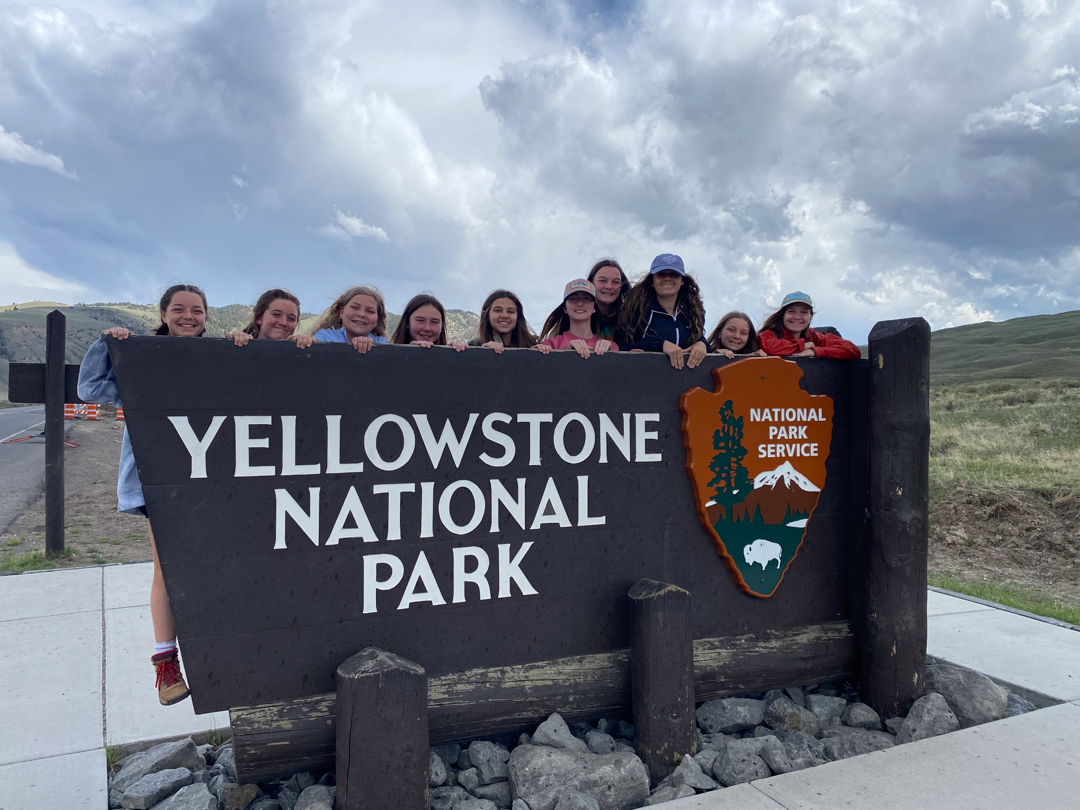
(486, 517)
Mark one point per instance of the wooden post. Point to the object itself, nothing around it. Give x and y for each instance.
(55, 333)
(382, 733)
(894, 638)
(662, 676)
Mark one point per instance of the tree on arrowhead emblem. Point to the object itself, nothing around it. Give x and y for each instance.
(731, 481)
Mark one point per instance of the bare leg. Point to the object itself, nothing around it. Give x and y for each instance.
(160, 611)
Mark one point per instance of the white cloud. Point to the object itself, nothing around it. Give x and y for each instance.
(14, 149)
(346, 227)
(21, 282)
(239, 182)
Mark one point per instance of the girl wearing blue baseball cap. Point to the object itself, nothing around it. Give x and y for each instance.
(663, 313)
(574, 323)
(787, 333)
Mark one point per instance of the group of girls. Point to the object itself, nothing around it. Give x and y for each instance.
(603, 313)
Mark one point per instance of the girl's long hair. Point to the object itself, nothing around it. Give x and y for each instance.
(634, 315)
(331, 317)
(167, 298)
(401, 333)
(558, 322)
(522, 337)
(263, 304)
(751, 342)
(775, 322)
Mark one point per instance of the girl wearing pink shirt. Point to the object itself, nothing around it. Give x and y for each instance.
(574, 323)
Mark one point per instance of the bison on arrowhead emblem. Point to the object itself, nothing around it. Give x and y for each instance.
(756, 449)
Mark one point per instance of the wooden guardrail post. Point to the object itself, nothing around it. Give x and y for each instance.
(55, 336)
(382, 733)
(894, 638)
(662, 676)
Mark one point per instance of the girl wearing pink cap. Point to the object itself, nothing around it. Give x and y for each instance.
(574, 323)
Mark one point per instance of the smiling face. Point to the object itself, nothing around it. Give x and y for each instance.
(580, 307)
(797, 318)
(608, 283)
(735, 334)
(359, 315)
(426, 323)
(279, 321)
(667, 282)
(185, 316)
(502, 316)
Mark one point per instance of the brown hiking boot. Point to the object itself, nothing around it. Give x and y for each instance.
(170, 681)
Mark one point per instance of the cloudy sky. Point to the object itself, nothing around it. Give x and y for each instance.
(889, 158)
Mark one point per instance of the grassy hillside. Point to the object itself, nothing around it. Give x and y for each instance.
(1036, 348)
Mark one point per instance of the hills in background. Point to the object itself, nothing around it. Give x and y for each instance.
(1036, 347)
(22, 327)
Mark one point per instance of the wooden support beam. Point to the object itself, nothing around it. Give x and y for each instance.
(55, 339)
(662, 676)
(382, 733)
(278, 739)
(894, 640)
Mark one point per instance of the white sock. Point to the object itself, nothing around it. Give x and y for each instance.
(164, 646)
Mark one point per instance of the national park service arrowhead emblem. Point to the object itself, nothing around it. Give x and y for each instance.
(756, 450)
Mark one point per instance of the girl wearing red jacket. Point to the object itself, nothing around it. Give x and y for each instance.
(787, 333)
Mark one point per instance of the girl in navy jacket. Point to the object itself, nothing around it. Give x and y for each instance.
(663, 313)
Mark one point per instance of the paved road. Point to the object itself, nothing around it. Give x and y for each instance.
(22, 464)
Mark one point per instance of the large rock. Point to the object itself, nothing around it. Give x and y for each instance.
(444, 798)
(554, 733)
(469, 779)
(1018, 705)
(192, 797)
(472, 803)
(859, 715)
(600, 743)
(972, 696)
(436, 770)
(800, 746)
(154, 787)
(226, 758)
(828, 710)
(575, 800)
(287, 798)
(448, 753)
(737, 765)
(170, 755)
(490, 760)
(667, 793)
(538, 774)
(498, 793)
(728, 715)
(775, 756)
(784, 714)
(237, 797)
(929, 716)
(689, 773)
(856, 742)
(316, 797)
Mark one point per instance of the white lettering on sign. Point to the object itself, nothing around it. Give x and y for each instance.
(410, 510)
(787, 415)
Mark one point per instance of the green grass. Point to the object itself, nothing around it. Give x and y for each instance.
(1008, 593)
(33, 561)
(113, 754)
(15, 541)
(1036, 348)
(1005, 434)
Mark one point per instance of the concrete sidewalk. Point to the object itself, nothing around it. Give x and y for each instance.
(76, 676)
(75, 649)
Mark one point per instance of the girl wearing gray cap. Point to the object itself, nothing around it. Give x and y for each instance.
(663, 313)
(787, 333)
